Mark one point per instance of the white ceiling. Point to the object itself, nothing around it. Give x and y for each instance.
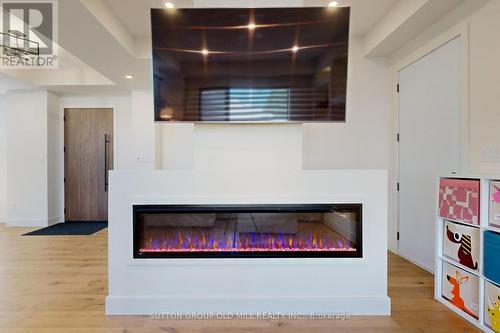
(134, 14)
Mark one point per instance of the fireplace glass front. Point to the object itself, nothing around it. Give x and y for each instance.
(191, 231)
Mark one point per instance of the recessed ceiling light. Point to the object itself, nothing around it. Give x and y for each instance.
(129, 77)
(169, 5)
(295, 48)
(204, 52)
(333, 4)
(251, 26)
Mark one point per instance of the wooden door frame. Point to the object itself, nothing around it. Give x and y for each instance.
(115, 160)
(460, 31)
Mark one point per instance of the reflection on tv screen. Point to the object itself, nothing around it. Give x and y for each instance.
(250, 65)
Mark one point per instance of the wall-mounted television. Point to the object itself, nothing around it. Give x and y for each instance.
(250, 65)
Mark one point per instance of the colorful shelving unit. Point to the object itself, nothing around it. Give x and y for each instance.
(467, 275)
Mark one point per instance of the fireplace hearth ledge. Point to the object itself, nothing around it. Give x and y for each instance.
(357, 286)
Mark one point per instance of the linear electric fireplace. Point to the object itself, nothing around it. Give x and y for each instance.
(208, 231)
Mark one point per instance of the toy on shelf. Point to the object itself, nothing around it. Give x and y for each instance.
(461, 289)
(461, 244)
(492, 303)
(495, 204)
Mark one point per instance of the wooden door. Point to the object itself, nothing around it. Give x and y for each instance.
(88, 156)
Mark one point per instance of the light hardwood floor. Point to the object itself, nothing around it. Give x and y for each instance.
(58, 285)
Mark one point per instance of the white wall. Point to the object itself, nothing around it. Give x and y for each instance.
(250, 149)
(480, 144)
(174, 146)
(3, 161)
(26, 158)
(485, 90)
(6, 84)
(142, 130)
(362, 142)
(55, 171)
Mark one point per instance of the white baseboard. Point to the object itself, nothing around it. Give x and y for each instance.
(147, 305)
(27, 222)
(428, 269)
(54, 220)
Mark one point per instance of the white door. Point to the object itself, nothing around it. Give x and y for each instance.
(429, 129)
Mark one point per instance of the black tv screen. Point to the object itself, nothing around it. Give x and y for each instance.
(250, 65)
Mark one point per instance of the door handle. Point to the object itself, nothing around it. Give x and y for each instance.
(106, 141)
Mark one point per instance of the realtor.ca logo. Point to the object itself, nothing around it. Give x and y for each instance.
(28, 34)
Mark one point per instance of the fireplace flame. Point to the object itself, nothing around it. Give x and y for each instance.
(201, 241)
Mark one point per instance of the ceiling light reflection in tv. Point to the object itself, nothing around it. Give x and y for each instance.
(250, 65)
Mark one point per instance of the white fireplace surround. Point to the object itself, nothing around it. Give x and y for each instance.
(356, 286)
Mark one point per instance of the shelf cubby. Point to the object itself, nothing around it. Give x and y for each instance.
(486, 289)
